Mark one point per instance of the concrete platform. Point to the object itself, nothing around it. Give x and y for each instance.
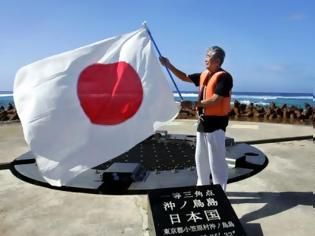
(277, 201)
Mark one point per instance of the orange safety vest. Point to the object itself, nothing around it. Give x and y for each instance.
(221, 108)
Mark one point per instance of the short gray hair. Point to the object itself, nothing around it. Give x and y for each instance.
(217, 53)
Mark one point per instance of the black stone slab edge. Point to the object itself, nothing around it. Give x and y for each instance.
(66, 188)
(100, 190)
(6, 165)
(255, 170)
(278, 140)
(44, 184)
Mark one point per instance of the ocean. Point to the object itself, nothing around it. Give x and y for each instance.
(263, 99)
(6, 97)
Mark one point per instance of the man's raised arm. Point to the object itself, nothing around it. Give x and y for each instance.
(181, 75)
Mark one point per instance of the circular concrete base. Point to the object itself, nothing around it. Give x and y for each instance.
(161, 161)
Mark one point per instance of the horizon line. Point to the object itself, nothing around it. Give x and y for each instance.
(196, 91)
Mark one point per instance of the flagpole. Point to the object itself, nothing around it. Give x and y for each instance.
(160, 55)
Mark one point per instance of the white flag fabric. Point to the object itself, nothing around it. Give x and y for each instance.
(84, 107)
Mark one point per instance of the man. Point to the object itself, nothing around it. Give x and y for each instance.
(213, 106)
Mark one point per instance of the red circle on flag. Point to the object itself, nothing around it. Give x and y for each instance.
(110, 93)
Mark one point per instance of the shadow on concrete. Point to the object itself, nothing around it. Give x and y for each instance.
(274, 203)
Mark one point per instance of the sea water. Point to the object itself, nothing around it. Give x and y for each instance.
(263, 99)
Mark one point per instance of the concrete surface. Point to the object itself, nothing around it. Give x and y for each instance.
(277, 201)
(243, 131)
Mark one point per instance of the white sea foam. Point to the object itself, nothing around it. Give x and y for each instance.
(256, 97)
(270, 97)
(247, 102)
(6, 95)
(186, 94)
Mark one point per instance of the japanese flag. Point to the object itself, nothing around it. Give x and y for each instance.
(84, 107)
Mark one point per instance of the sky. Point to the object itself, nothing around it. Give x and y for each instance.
(269, 44)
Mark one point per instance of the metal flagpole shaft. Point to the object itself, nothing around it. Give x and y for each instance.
(157, 49)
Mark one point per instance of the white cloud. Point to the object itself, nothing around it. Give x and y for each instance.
(276, 68)
(297, 17)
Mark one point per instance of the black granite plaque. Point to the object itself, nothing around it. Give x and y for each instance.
(196, 210)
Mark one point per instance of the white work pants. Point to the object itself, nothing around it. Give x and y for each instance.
(210, 158)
